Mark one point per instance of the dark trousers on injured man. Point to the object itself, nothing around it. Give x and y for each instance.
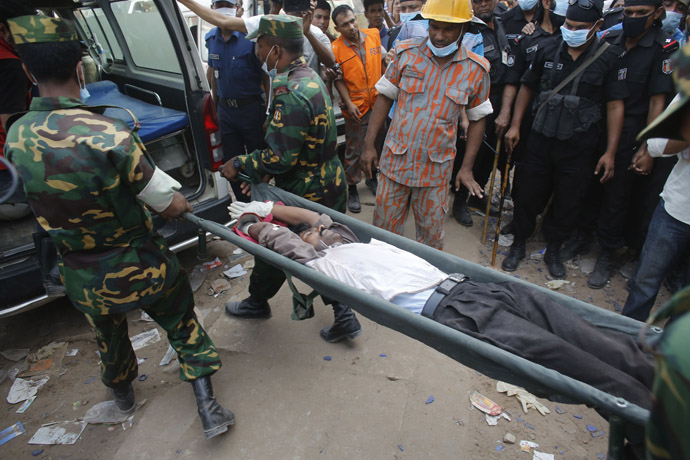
(528, 324)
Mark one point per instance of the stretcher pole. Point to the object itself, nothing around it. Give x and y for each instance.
(504, 184)
(491, 190)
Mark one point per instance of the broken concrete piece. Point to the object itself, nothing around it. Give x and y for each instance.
(15, 354)
(556, 284)
(509, 438)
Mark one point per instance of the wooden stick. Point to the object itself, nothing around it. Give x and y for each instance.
(491, 190)
(504, 184)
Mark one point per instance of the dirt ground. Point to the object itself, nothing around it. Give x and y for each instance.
(295, 396)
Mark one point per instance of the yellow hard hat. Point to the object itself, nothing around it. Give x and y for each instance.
(448, 10)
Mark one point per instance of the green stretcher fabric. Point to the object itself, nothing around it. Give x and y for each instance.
(473, 353)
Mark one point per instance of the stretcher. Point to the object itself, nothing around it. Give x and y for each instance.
(625, 418)
(155, 121)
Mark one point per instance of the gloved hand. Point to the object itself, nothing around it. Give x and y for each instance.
(527, 399)
(237, 208)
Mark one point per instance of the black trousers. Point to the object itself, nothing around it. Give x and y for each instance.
(559, 167)
(528, 324)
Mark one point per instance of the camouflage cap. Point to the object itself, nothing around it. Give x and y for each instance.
(278, 25)
(41, 29)
(667, 125)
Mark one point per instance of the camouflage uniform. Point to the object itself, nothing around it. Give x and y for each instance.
(84, 175)
(669, 424)
(302, 143)
(301, 135)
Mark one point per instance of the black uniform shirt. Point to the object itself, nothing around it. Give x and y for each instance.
(526, 47)
(599, 82)
(494, 48)
(513, 21)
(646, 68)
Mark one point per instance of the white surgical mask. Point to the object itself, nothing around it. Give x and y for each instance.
(671, 22)
(404, 17)
(227, 11)
(83, 92)
(561, 7)
(445, 51)
(527, 5)
(574, 38)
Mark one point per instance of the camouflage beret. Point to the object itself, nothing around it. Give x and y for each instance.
(278, 25)
(41, 29)
(667, 125)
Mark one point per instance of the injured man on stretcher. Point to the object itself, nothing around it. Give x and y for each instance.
(508, 315)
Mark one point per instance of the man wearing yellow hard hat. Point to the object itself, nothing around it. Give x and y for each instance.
(435, 82)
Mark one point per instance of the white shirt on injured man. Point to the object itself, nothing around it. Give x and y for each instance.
(378, 268)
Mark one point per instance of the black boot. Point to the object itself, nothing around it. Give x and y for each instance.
(372, 184)
(124, 398)
(460, 211)
(516, 254)
(552, 259)
(602, 270)
(214, 418)
(249, 308)
(345, 325)
(576, 246)
(479, 204)
(353, 199)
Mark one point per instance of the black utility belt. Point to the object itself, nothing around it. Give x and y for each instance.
(441, 291)
(237, 103)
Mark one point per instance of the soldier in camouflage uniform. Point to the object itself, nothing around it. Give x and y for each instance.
(88, 180)
(301, 155)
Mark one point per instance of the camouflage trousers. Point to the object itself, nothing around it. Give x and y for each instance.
(174, 312)
(429, 206)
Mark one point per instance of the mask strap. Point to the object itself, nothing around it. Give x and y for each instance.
(270, 82)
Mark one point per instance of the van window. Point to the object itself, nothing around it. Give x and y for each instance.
(147, 38)
(93, 21)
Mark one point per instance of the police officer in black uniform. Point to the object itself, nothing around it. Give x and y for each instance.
(646, 69)
(575, 80)
(500, 55)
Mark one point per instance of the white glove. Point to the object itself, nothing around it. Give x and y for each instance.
(237, 208)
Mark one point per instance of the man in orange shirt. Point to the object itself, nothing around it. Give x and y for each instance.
(435, 81)
(359, 55)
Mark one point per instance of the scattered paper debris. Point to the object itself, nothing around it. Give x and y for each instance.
(235, 272)
(107, 412)
(505, 240)
(72, 352)
(197, 277)
(58, 433)
(16, 354)
(219, 286)
(248, 265)
(238, 251)
(492, 420)
(145, 317)
(542, 456)
(484, 404)
(213, 264)
(26, 405)
(556, 284)
(46, 361)
(587, 264)
(145, 338)
(527, 399)
(169, 355)
(22, 389)
(527, 446)
(46, 351)
(11, 432)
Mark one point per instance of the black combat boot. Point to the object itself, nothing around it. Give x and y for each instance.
(602, 270)
(214, 418)
(578, 245)
(249, 308)
(516, 254)
(461, 212)
(552, 259)
(474, 202)
(124, 398)
(353, 199)
(372, 184)
(345, 325)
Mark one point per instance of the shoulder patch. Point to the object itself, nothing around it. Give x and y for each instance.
(623, 73)
(281, 90)
(670, 45)
(666, 66)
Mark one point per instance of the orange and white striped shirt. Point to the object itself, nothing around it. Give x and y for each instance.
(420, 145)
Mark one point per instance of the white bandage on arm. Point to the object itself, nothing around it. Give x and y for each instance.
(251, 24)
(656, 146)
(159, 192)
(388, 89)
(479, 112)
